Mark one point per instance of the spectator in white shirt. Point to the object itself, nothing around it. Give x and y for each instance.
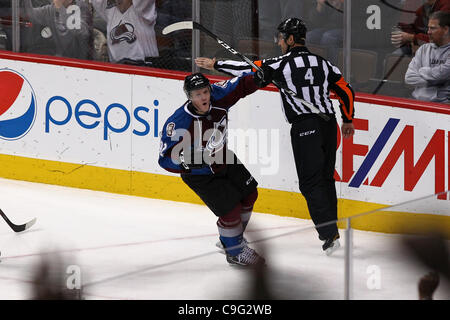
(130, 29)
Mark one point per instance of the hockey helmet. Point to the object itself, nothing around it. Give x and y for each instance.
(294, 26)
(195, 81)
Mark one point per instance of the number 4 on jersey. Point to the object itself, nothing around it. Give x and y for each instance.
(309, 76)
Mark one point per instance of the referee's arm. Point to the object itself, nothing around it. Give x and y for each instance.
(231, 67)
(346, 97)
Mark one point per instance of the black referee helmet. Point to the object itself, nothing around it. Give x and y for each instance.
(195, 81)
(294, 26)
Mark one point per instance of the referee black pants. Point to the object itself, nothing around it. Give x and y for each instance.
(314, 145)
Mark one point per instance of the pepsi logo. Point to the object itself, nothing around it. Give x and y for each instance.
(17, 105)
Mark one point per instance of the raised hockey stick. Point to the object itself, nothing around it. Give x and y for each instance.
(16, 227)
(194, 25)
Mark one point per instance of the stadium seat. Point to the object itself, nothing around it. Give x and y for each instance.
(255, 48)
(395, 67)
(317, 49)
(363, 67)
(393, 83)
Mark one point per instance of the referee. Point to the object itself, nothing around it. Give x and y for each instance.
(314, 139)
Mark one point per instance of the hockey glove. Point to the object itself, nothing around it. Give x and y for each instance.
(194, 160)
(264, 77)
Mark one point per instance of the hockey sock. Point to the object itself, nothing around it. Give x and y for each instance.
(246, 214)
(230, 230)
(247, 208)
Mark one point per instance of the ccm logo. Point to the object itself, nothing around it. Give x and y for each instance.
(306, 133)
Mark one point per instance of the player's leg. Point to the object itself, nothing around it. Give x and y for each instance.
(246, 185)
(231, 231)
(247, 207)
(224, 200)
(245, 213)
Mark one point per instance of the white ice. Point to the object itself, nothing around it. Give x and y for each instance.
(138, 248)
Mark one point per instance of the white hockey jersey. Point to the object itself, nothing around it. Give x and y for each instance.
(131, 35)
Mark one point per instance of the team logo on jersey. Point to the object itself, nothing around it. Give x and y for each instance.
(218, 137)
(17, 105)
(123, 32)
(170, 129)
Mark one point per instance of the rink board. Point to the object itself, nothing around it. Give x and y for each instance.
(99, 130)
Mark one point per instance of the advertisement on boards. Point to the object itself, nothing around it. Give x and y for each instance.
(113, 120)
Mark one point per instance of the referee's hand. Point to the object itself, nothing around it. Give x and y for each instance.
(348, 129)
(205, 63)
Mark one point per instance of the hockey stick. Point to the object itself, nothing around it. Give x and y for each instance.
(194, 25)
(396, 8)
(15, 227)
(333, 7)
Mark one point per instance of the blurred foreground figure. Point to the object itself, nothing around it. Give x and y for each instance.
(430, 250)
(427, 285)
(51, 281)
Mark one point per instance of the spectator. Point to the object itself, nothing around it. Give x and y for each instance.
(415, 34)
(100, 46)
(3, 39)
(327, 27)
(68, 24)
(31, 39)
(5, 11)
(429, 70)
(270, 13)
(130, 29)
(172, 11)
(232, 20)
(99, 42)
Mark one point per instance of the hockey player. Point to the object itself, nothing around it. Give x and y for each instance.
(194, 144)
(313, 139)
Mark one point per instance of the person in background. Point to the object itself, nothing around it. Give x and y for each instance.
(413, 35)
(327, 28)
(130, 29)
(429, 70)
(68, 23)
(270, 13)
(239, 13)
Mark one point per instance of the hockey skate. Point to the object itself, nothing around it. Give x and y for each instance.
(247, 258)
(330, 245)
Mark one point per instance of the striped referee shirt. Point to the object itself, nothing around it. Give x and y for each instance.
(310, 76)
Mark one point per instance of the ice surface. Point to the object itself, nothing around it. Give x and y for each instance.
(138, 248)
